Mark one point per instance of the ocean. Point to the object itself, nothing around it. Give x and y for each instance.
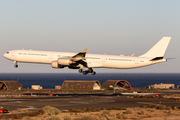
(50, 80)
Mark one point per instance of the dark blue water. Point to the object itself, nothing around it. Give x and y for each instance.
(49, 80)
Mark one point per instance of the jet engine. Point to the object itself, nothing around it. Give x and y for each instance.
(64, 61)
(55, 64)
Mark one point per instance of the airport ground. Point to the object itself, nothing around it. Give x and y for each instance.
(71, 102)
(27, 101)
(63, 100)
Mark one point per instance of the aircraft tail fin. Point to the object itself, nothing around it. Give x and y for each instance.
(159, 49)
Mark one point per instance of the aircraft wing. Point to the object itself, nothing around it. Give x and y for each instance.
(79, 56)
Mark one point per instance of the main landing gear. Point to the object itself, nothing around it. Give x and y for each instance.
(16, 65)
(90, 70)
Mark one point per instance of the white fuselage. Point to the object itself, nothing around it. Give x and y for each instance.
(93, 60)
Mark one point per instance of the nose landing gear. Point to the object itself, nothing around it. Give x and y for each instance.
(16, 65)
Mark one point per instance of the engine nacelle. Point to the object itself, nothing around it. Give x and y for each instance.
(64, 61)
(55, 64)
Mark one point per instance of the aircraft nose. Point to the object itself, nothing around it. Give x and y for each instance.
(4, 55)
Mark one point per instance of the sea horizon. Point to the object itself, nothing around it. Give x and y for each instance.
(50, 80)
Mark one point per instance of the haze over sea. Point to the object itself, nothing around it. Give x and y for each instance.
(49, 80)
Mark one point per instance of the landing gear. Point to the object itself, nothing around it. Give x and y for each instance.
(80, 70)
(16, 65)
(93, 73)
(90, 70)
(85, 72)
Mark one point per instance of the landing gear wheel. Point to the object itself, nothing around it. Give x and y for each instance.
(93, 73)
(85, 72)
(15, 66)
(80, 70)
(90, 70)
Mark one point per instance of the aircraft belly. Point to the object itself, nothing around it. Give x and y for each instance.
(121, 65)
(32, 59)
(94, 64)
(124, 65)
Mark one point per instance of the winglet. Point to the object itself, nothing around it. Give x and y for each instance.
(84, 51)
(132, 55)
(80, 55)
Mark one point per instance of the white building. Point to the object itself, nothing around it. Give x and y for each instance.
(161, 86)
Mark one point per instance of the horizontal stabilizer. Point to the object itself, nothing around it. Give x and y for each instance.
(159, 49)
(157, 58)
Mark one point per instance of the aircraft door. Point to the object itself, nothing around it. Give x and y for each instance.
(51, 56)
(104, 59)
(137, 61)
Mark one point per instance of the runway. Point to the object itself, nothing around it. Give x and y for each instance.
(70, 102)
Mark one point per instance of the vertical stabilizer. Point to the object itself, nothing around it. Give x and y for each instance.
(159, 49)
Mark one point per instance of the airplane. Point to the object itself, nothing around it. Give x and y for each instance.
(82, 60)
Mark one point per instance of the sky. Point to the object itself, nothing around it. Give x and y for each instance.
(102, 26)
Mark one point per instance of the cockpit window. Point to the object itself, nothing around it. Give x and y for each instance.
(7, 52)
